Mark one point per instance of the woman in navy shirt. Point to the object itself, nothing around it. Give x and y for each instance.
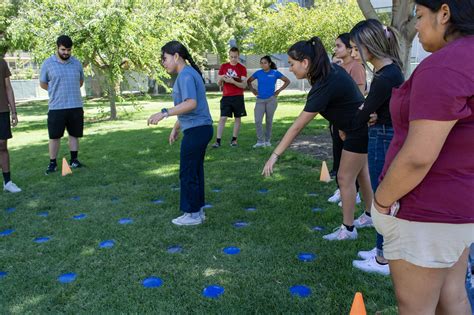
(194, 119)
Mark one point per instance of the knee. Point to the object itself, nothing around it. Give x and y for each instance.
(344, 180)
(3, 146)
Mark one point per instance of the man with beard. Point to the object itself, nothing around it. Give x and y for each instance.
(62, 76)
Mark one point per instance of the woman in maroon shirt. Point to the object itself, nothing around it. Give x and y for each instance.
(424, 206)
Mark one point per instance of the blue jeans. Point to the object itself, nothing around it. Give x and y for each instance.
(380, 137)
(191, 167)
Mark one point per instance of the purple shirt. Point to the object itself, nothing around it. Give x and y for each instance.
(441, 88)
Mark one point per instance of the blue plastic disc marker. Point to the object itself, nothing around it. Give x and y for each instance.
(152, 282)
(115, 199)
(207, 206)
(216, 190)
(76, 198)
(43, 214)
(317, 228)
(3, 274)
(158, 201)
(263, 191)
(67, 277)
(252, 208)
(306, 257)
(241, 224)
(213, 291)
(312, 194)
(42, 239)
(125, 221)
(175, 249)
(80, 216)
(300, 291)
(316, 209)
(10, 209)
(6, 232)
(231, 250)
(107, 244)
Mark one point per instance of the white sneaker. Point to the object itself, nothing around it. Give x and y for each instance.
(268, 144)
(372, 266)
(357, 200)
(188, 219)
(341, 233)
(336, 197)
(363, 221)
(11, 187)
(366, 254)
(202, 214)
(258, 145)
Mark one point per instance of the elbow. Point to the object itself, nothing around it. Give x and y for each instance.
(192, 104)
(420, 161)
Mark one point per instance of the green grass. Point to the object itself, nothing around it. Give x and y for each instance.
(127, 160)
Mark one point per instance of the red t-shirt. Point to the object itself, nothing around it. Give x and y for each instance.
(441, 88)
(237, 72)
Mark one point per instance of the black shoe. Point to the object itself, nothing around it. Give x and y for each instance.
(75, 164)
(51, 168)
(216, 145)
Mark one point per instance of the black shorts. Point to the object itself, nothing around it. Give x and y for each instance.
(72, 119)
(233, 105)
(5, 127)
(357, 141)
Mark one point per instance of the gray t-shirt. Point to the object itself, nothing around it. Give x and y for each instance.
(189, 85)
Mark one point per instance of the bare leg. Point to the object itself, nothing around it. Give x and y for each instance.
(54, 148)
(220, 127)
(73, 143)
(4, 156)
(365, 187)
(236, 127)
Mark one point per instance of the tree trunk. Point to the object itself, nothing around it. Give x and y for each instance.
(112, 98)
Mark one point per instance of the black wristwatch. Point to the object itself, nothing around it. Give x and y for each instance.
(164, 111)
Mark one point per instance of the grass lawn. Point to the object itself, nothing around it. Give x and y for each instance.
(128, 166)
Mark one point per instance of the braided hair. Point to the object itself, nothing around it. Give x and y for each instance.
(175, 47)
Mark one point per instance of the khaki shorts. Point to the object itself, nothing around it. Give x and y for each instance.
(425, 244)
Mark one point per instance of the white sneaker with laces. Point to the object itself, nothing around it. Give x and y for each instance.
(202, 214)
(340, 234)
(258, 145)
(336, 197)
(268, 144)
(366, 254)
(372, 266)
(188, 219)
(11, 187)
(357, 200)
(363, 221)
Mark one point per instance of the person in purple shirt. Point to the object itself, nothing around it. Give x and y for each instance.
(266, 98)
(424, 205)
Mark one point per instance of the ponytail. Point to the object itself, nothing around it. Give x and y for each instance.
(175, 47)
(270, 61)
(314, 51)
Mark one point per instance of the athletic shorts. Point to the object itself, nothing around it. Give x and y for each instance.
(233, 106)
(71, 119)
(424, 244)
(5, 127)
(357, 141)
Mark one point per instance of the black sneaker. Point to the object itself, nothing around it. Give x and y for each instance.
(233, 143)
(52, 167)
(75, 164)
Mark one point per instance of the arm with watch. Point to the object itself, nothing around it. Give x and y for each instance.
(182, 108)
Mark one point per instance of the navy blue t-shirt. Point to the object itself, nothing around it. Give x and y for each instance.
(266, 82)
(189, 85)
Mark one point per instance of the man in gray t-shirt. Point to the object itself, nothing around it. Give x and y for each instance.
(62, 76)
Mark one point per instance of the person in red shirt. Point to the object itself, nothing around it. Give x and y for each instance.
(232, 77)
(424, 205)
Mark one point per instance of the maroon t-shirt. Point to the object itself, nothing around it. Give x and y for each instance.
(441, 88)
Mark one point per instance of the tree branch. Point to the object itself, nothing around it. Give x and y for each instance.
(367, 9)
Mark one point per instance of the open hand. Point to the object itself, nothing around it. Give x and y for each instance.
(268, 168)
(173, 136)
(155, 119)
(14, 120)
(342, 135)
(373, 119)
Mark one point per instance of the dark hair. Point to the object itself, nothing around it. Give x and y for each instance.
(314, 51)
(345, 39)
(65, 41)
(462, 13)
(270, 61)
(175, 47)
(379, 40)
(234, 49)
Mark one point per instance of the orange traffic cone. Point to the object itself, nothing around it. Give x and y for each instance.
(66, 169)
(358, 306)
(324, 177)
